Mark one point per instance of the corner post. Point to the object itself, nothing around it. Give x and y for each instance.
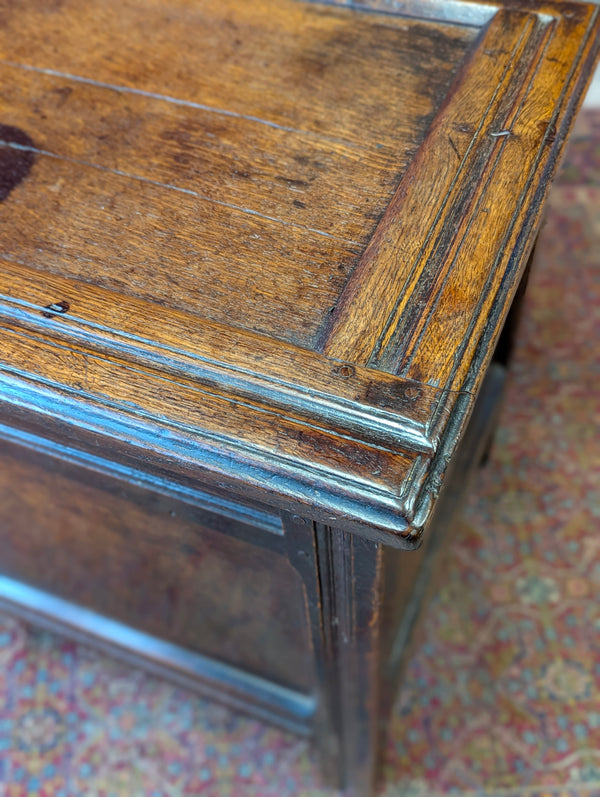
(342, 576)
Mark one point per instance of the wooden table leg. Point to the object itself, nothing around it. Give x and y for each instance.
(342, 574)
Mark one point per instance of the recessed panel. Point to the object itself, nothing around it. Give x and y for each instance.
(153, 563)
(229, 159)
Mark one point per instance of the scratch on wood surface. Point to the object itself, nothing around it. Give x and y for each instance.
(453, 145)
(174, 100)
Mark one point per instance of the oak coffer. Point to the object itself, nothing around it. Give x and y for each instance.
(255, 259)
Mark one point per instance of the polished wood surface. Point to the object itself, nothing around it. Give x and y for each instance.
(254, 261)
(237, 138)
(146, 197)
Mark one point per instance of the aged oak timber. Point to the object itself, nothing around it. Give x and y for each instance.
(255, 259)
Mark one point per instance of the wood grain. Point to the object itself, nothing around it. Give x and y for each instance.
(397, 266)
(283, 62)
(135, 238)
(241, 169)
(254, 261)
(233, 361)
(527, 160)
(194, 299)
(343, 579)
(476, 186)
(295, 177)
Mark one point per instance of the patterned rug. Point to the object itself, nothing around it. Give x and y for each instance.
(502, 694)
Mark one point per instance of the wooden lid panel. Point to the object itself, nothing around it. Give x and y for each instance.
(271, 244)
(223, 158)
(331, 71)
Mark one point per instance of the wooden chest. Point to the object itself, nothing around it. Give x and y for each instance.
(255, 259)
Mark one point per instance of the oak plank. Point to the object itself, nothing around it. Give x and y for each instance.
(297, 178)
(289, 378)
(173, 248)
(213, 177)
(500, 232)
(283, 62)
(416, 222)
(414, 303)
(261, 250)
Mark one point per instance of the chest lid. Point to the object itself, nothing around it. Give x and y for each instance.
(273, 243)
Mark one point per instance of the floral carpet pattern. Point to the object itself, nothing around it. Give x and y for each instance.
(502, 694)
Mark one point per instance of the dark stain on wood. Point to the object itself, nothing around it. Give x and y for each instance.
(15, 161)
